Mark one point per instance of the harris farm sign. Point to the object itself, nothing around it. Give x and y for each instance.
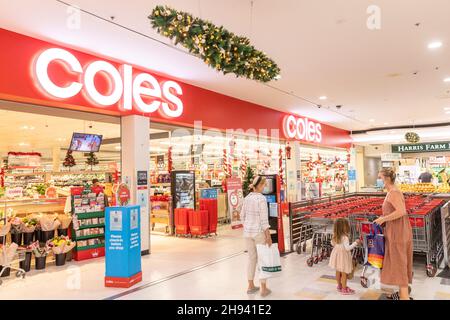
(421, 147)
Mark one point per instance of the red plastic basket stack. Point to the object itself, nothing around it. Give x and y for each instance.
(211, 206)
(199, 223)
(182, 221)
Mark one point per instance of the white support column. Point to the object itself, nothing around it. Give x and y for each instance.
(56, 155)
(135, 144)
(352, 166)
(293, 167)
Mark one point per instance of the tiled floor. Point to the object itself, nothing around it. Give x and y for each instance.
(211, 268)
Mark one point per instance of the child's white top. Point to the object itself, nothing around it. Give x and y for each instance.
(345, 243)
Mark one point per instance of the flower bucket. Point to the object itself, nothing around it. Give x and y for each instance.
(47, 235)
(38, 235)
(40, 262)
(69, 256)
(16, 238)
(5, 272)
(28, 238)
(62, 232)
(26, 264)
(60, 259)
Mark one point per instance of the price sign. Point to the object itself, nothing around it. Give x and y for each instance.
(123, 194)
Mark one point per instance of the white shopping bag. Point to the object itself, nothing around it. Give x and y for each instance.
(370, 276)
(268, 261)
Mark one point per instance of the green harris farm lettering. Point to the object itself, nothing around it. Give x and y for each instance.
(421, 147)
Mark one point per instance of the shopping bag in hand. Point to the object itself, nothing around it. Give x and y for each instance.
(268, 260)
(375, 247)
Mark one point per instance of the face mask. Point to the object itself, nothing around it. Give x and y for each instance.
(380, 183)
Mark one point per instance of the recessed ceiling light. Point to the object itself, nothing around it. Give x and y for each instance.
(372, 120)
(447, 108)
(386, 123)
(447, 79)
(434, 45)
(323, 98)
(24, 144)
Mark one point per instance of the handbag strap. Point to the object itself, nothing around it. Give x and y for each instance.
(376, 229)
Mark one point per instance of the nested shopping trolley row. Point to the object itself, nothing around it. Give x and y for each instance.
(313, 222)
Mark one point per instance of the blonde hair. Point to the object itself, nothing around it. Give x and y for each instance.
(341, 228)
(256, 182)
(388, 173)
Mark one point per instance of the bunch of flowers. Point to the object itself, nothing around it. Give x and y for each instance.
(39, 251)
(60, 244)
(29, 224)
(16, 224)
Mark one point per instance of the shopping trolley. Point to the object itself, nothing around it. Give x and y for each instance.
(10, 255)
(427, 234)
(322, 228)
(363, 226)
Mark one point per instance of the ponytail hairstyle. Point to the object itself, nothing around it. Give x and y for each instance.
(388, 173)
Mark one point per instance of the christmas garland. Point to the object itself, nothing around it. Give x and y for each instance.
(218, 47)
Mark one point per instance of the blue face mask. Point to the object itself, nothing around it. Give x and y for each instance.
(380, 183)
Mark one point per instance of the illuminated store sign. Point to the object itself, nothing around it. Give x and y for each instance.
(141, 91)
(302, 129)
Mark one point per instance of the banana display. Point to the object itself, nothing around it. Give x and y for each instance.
(425, 188)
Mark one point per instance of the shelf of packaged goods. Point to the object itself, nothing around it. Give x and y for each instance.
(100, 245)
(91, 236)
(166, 184)
(88, 226)
(25, 174)
(79, 172)
(89, 215)
(25, 207)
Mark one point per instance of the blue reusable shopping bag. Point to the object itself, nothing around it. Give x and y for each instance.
(375, 246)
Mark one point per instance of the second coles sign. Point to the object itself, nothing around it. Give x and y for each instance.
(302, 129)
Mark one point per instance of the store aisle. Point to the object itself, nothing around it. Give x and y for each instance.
(227, 280)
(197, 269)
(84, 280)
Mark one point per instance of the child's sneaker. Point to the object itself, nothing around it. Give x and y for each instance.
(339, 288)
(347, 291)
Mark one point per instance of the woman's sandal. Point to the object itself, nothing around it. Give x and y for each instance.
(396, 295)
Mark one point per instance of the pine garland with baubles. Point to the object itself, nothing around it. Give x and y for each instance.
(216, 46)
(92, 159)
(248, 179)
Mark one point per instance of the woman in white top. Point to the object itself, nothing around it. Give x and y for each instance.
(255, 218)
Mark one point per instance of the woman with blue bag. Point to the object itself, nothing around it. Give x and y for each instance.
(398, 255)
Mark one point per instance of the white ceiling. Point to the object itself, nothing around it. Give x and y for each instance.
(322, 46)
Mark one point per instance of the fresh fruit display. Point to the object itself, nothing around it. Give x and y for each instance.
(424, 188)
(443, 188)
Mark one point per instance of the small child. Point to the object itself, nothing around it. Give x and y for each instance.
(341, 257)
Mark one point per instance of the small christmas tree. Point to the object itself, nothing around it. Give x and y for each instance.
(92, 159)
(69, 160)
(248, 179)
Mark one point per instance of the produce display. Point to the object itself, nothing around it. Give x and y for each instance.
(425, 188)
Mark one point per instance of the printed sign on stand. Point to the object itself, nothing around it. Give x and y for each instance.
(123, 246)
(235, 201)
(211, 193)
(123, 194)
